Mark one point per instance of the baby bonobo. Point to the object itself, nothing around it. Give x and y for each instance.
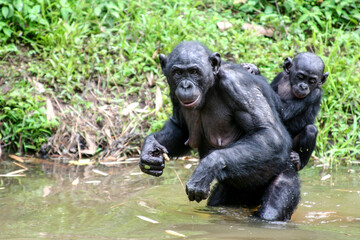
(299, 88)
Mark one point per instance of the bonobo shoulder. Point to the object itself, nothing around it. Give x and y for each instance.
(231, 74)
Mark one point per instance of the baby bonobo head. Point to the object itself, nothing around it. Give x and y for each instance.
(306, 72)
(190, 70)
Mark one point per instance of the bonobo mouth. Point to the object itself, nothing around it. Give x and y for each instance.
(299, 95)
(190, 103)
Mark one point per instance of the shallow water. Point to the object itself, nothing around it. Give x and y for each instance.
(49, 203)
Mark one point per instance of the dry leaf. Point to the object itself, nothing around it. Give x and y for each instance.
(108, 136)
(39, 87)
(46, 191)
(19, 159)
(150, 78)
(129, 108)
(81, 162)
(91, 145)
(147, 219)
(188, 166)
(95, 182)
(100, 172)
(224, 25)
(50, 113)
(171, 232)
(326, 177)
(155, 53)
(259, 29)
(158, 99)
(240, 1)
(75, 182)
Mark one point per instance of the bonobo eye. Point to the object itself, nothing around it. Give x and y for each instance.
(300, 76)
(176, 73)
(312, 80)
(194, 71)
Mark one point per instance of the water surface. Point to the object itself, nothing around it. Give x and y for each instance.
(49, 202)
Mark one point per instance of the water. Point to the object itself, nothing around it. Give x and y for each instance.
(49, 203)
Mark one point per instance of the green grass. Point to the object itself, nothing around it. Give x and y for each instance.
(66, 45)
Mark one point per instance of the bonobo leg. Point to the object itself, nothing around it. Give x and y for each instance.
(219, 195)
(281, 197)
(226, 194)
(304, 143)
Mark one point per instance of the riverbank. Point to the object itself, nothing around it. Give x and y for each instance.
(82, 79)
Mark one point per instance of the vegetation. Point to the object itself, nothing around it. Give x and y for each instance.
(97, 62)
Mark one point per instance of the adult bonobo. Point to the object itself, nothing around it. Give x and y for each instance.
(229, 115)
(299, 87)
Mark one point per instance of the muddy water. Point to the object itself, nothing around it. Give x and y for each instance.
(50, 203)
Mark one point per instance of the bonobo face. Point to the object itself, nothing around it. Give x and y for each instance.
(189, 71)
(306, 74)
(189, 80)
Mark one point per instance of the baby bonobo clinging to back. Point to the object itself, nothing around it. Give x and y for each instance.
(299, 88)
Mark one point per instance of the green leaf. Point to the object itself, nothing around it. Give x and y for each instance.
(7, 31)
(115, 14)
(5, 11)
(36, 9)
(19, 5)
(97, 10)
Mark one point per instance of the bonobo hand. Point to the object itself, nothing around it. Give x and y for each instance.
(198, 186)
(314, 96)
(151, 159)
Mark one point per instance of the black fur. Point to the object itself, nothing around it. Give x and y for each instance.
(299, 113)
(230, 116)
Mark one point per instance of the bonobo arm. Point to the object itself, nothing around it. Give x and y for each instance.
(262, 152)
(292, 108)
(170, 139)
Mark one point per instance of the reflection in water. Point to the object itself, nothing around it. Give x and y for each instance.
(75, 202)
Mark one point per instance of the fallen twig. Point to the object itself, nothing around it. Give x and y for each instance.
(147, 219)
(6, 175)
(19, 159)
(100, 172)
(177, 175)
(17, 171)
(171, 232)
(19, 165)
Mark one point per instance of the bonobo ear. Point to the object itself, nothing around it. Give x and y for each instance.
(324, 77)
(287, 64)
(163, 61)
(215, 61)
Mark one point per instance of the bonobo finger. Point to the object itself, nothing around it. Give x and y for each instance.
(155, 173)
(150, 160)
(198, 198)
(151, 167)
(191, 194)
(162, 148)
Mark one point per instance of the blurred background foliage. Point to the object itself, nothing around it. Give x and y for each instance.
(65, 44)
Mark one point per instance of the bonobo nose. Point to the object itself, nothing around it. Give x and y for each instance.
(186, 84)
(303, 86)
